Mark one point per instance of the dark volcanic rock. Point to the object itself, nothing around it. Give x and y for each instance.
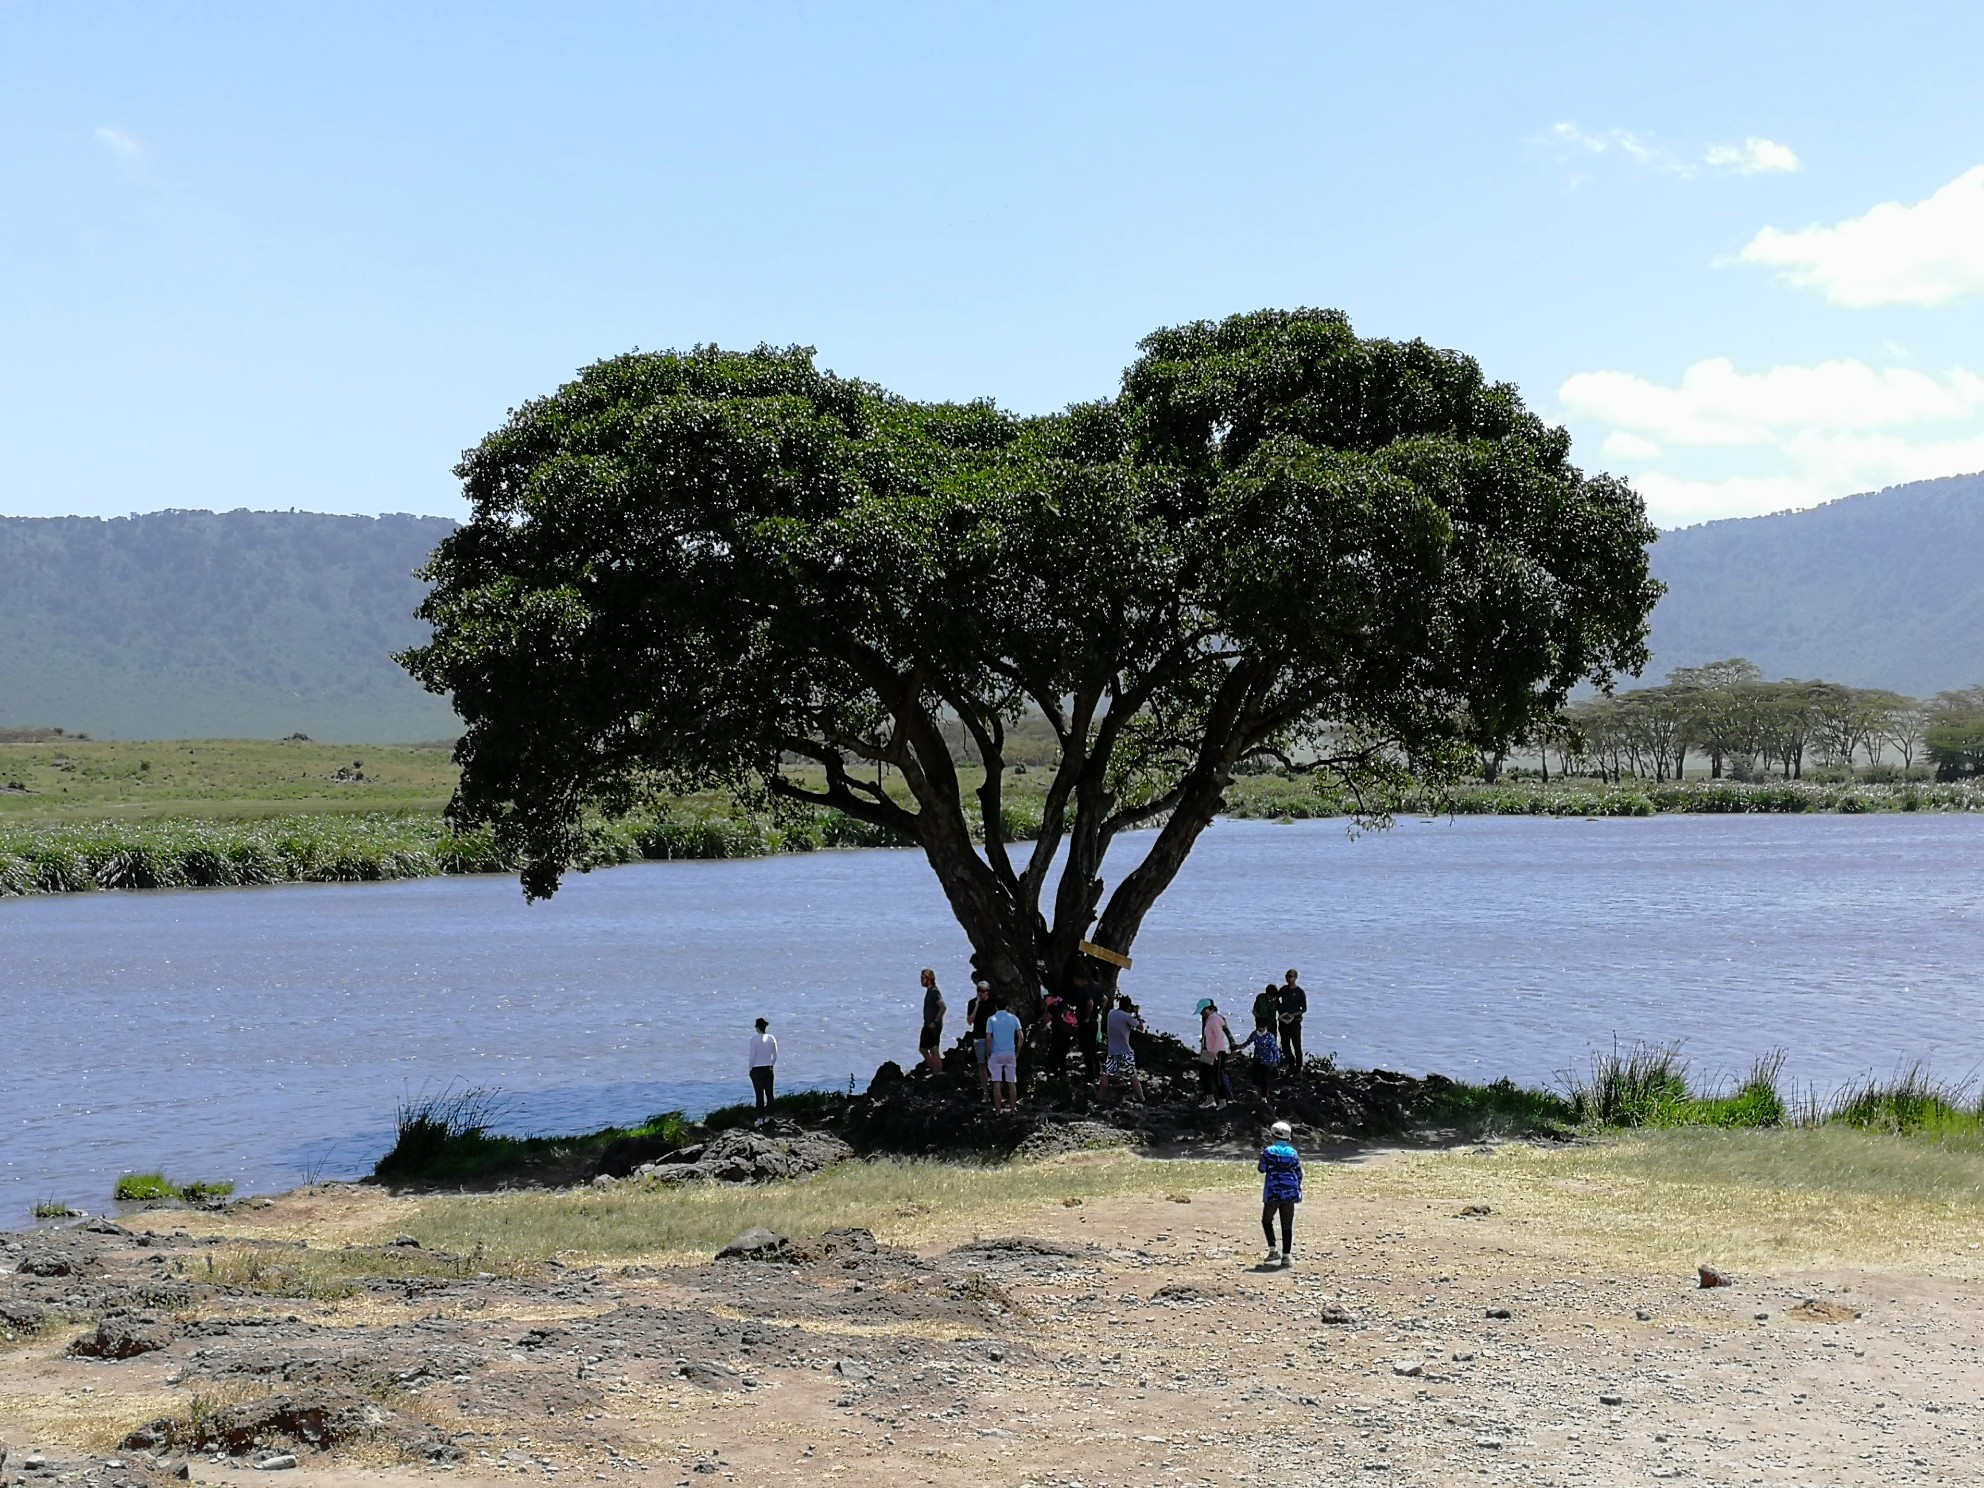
(741, 1156)
(51, 1263)
(755, 1244)
(621, 1157)
(332, 1418)
(18, 1317)
(122, 1338)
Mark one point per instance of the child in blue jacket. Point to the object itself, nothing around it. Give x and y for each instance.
(1281, 1191)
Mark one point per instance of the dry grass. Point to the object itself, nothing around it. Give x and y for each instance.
(322, 1275)
(1762, 1200)
(93, 1422)
(903, 1202)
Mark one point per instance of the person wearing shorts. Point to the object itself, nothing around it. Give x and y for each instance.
(1004, 1037)
(929, 1044)
(1120, 1059)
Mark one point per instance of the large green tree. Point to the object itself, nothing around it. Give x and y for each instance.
(1279, 543)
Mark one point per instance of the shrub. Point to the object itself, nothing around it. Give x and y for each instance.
(1912, 1103)
(1647, 1087)
(139, 1188)
(805, 1106)
(1756, 1102)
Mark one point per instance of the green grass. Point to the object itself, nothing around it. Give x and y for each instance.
(51, 1209)
(1500, 1109)
(1912, 1104)
(803, 1106)
(71, 780)
(1648, 1087)
(445, 1139)
(1270, 797)
(228, 812)
(140, 1188)
(902, 1201)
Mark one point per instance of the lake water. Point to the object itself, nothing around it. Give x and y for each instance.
(265, 1035)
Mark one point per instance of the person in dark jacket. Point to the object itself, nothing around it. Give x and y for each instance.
(1281, 1191)
(1294, 1006)
(1267, 1006)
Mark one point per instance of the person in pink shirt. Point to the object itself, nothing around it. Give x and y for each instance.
(1215, 1045)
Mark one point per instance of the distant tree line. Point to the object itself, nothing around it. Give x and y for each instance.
(1746, 728)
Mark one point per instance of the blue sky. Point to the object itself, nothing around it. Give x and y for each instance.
(283, 255)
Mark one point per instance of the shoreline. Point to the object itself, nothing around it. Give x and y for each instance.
(397, 845)
(1520, 1314)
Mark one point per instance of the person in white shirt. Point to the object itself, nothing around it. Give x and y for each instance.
(764, 1059)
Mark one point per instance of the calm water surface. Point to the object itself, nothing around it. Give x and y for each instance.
(266, 1035)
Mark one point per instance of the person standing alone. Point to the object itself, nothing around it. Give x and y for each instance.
(1293, 1004)
(764, 1060)
(931, 1043)
(1281, 1191)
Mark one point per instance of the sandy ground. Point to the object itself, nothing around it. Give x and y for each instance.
(1137, 1343)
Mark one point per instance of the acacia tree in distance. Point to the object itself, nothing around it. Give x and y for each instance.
(1279, 543)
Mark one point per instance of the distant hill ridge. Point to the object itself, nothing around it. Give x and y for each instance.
(191, 624)
(1884, 589)
(186, 624)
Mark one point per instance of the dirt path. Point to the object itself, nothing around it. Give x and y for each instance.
(1126, 1342)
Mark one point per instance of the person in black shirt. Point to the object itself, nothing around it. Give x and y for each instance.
(1293, 1003)
(1090, 1003)
(981, 1008)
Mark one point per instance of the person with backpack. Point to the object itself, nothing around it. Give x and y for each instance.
(1281, 1191)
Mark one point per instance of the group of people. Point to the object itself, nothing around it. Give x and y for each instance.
(997, 1036)
(1089, 1018)
(1276, 1041)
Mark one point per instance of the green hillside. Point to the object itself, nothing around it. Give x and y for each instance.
(257, 625)
(1880, 590)
(184, 624)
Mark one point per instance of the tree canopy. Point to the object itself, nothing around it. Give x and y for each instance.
(1280, 543)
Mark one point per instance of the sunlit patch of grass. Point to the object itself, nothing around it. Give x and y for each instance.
(903, 1201)
(92, 1422)
(144, 1188)
(931, 1328)
(324, 1275)
(1913, 1103)
(1769, 1200)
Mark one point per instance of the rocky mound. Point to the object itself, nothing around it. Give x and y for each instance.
(743, 1156)
(321, 1421)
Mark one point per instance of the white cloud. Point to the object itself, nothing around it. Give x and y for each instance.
(1823, 431)
(1754, 157)
(1926, 254)
(1610, 141)
(1622, 444)
(121, 143)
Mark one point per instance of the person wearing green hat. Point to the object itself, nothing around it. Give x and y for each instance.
(1215, 1043)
